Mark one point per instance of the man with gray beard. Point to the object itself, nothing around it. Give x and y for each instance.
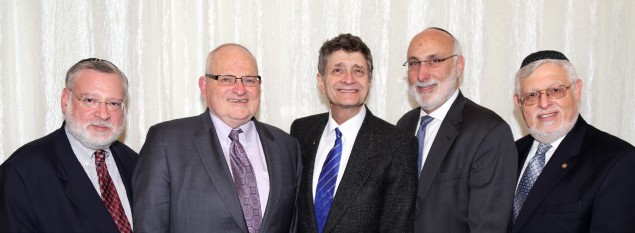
(467, 159)
(573, 177)
(78, 178)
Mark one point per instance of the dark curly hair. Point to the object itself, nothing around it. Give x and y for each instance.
(348, 43)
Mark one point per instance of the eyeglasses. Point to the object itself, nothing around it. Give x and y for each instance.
(553, 93)
(111, 105)
(431, 63)
(230, 80)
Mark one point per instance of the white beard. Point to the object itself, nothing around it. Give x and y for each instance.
(81, 133)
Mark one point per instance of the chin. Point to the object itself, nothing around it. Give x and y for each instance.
(554, 132)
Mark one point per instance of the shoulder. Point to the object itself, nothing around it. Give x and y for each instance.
(181, 124)
(388, 132)
(600, 142)
(310, 120)
(304, 125)
(275, 132)
(409, 117)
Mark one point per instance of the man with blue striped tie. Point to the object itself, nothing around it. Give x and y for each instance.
(360, 172)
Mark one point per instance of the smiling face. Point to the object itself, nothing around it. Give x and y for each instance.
(432, 86)
(345, 81)
(549, 119)
(98, 127)
(235, 105)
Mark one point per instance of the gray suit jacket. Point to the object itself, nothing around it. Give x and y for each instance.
(182, 182)
(378, 187)
(468, 180)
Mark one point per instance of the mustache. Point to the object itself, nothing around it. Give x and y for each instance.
(100, 123)
(429, 82)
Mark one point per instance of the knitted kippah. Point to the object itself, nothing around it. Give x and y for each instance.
(541, 55)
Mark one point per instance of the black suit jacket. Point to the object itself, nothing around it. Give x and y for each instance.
(468, 180)
(588, 185)
(43, 188)
(377, 190)
(182, 182)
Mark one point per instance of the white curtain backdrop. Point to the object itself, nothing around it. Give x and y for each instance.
(161, 45)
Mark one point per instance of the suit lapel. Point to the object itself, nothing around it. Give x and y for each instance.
(211, 153)
(355, 174)
(79, 188)
(273, 168)
(567, 152)
(125, 165)
(442, 143)
(314, 134)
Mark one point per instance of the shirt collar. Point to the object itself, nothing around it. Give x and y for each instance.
(442, 111)
(350, 127)
(223, 130)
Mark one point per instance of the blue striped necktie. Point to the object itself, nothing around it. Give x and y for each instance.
(326, 183)
(532, 171)
(421, 137)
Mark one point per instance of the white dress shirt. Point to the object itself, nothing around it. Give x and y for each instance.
(251, 143)
(86, 158)
(433, 127)
(349, 130)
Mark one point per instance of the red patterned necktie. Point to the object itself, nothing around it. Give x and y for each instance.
(109, 194)
(245, 182)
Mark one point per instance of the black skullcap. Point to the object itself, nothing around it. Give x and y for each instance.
(541, 55)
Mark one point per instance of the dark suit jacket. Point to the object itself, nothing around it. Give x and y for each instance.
(43, 188)
(183, 182)
(593, 192)
(468, 180)
(377, 190)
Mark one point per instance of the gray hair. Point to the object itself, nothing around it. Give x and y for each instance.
(96, 64)
(527, 70)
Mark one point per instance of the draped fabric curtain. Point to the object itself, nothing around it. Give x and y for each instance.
(161, 45)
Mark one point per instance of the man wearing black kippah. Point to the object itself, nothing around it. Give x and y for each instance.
(572, 177)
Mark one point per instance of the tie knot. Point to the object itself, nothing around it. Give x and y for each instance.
(100, 155)
(425, 120)
(543, 148)
(338, 134)
(233, 135)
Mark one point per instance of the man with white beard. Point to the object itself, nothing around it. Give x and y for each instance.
(467, 159)
(78, 178)
(573, 177)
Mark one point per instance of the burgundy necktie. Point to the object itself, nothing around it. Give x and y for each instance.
(245, 182)
(109, 194)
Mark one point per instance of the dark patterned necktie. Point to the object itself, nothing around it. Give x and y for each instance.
(326, 183)
(532, 171)
(109, 195)
(421, 137)
(245, 183)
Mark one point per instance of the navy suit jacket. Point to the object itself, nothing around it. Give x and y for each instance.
(467, 182)
(378, 187)
(43, 188)
(588, 185)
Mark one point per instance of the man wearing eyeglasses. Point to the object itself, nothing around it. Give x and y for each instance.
(221, 171)
(573, 177)
(78, 178)
(467, 159)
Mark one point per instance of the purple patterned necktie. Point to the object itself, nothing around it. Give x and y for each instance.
(245, 183)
